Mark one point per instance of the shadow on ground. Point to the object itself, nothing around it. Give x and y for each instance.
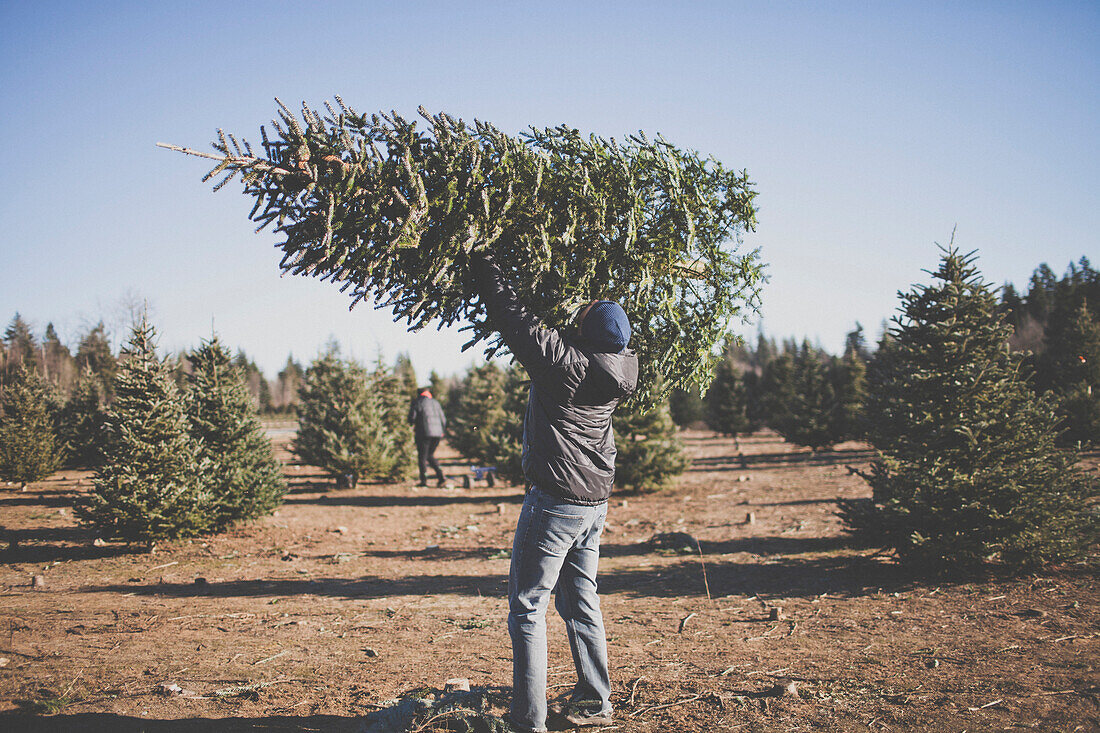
(469, 496)
(737, 462)
(782, 572)
(756, 545)
(41, 545)
(111, 723)
(51, 499)
(848, 576)
(363, 587)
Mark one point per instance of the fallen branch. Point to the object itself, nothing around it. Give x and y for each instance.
(634, 689)
(771, 673)
(685, 701)
(730, 669)
(706, 585)
(70, 687)
(273, 656)
(229, 691)
(987, 705)
(764, 635)
(447, 714)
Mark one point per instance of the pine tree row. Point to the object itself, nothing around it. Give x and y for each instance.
(814, 399)
(66, 374)
(975, 439)
(179, 462)
(171, 462)
(807, 396)
(352, 423)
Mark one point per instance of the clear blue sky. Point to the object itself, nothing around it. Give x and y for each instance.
(872, 129)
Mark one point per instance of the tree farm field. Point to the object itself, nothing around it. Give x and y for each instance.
(317, 618)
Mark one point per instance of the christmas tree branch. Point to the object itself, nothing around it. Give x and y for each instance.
(231, 161)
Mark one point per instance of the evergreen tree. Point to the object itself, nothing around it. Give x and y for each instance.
(392, 209)
(805, 406)
(258, 388)
(82, 421)
(850, 386)
(855, 342)
(406, 375)
(485, 417)
(264, 400)
(290, 380)
(727, 401)
(777, 389)
(650, 454)
(764, 353)
(20, 346)
(1012, 305)
(58, 365)
(1040, 294)
(150, 484)
(1072, 365)
(243, 478)
(687, 406)
(347, 420)
(94, 352)
(968, 471)
(440, 386)
(29, 449)
(389, 395)
(1050, 303)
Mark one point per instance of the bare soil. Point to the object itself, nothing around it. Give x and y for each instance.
(313, 619)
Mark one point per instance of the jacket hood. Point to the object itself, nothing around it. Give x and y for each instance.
(619, 370)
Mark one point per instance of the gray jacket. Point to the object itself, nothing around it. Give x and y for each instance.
(568, 443)
(427, 418)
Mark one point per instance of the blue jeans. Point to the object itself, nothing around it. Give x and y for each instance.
(557, 547)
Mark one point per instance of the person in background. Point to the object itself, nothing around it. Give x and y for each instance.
(578, 377)
(429, 424)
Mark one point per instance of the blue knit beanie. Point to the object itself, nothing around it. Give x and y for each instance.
(606, 326)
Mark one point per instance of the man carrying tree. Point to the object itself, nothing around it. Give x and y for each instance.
(429, 423)
(577, 379)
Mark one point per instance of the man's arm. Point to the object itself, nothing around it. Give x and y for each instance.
(537, 348)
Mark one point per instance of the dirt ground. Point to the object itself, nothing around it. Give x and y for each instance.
(315, 618)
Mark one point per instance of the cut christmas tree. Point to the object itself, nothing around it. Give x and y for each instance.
(392, 213)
